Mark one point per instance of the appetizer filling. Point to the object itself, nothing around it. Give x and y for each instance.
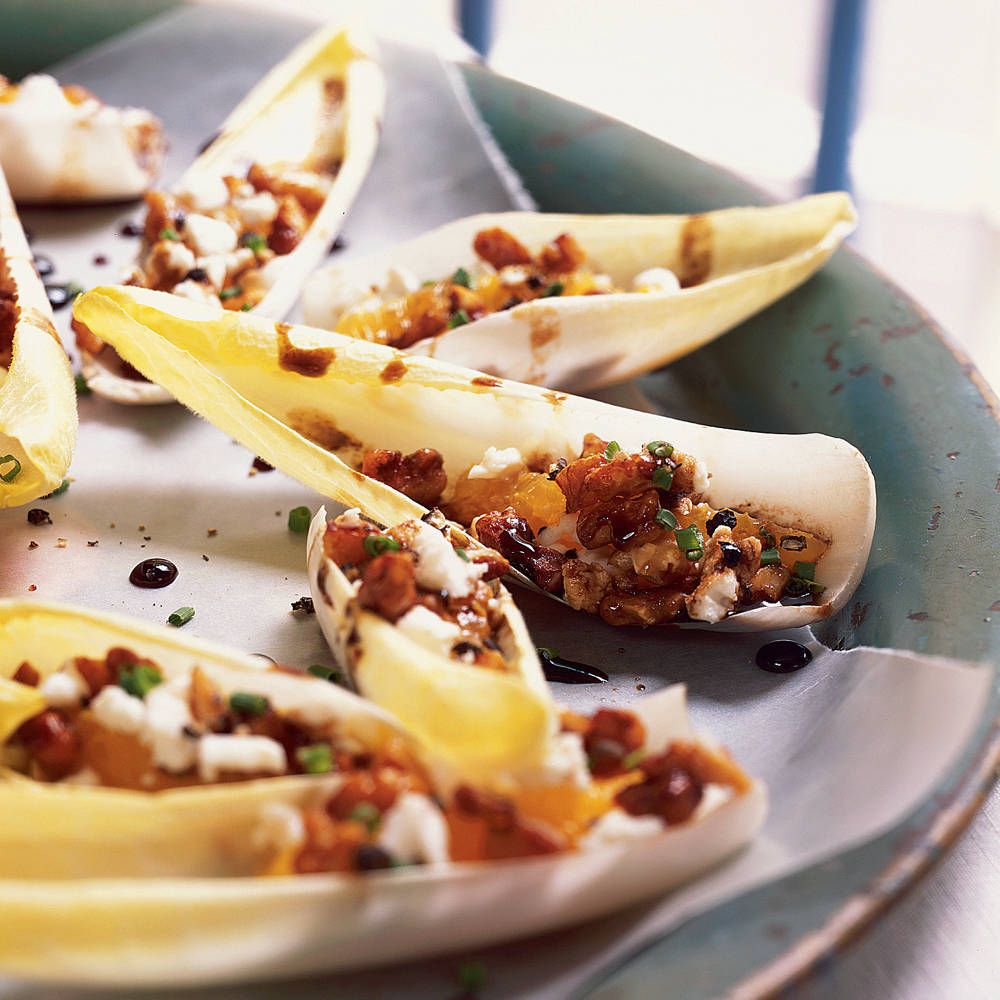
(623, 535)
(622, 792)
(117, 722)
(508, 275)
(434, 591)
(8, 318)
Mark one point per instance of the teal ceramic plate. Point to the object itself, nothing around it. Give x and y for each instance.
(848, 354)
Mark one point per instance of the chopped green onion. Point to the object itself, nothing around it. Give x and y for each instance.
(660, 449)
(665, 519)
(631, 760)
(12, 473)
(663, 477)
(181, 616)
(366, 813)
(547, 653)
(230, 293)
(375, 545)
(82, 389)
(612, 449)
(248, 704)
(459, 319)
(471, 976)
(299, 518)
(324, 673)
(61, 488)
(770, 557)
(138, 679)
(793, 543)
(804, 570)
(315, 758)
(461, 277)
(690, 541)
(169, 234)
(427, 283)
(246, 307)
(556, 288)
(254, 241)
(73, 289)
(462, 554)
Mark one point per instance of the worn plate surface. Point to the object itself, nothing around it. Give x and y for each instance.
(848, 354)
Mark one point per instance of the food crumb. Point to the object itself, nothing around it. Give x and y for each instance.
(60, 543)
(304, 604)
(142, 527)
(91, 544)
(147, 538)
(32, 587)
(212, 532)
(111, 525)
(99, 259)
(32, 545)
(259, 465)
(203, 556)
(38, 516)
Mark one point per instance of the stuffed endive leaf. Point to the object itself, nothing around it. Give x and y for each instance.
(258, 209)
(324, 407)
(37, 395)
(574, 301)
(636, 804)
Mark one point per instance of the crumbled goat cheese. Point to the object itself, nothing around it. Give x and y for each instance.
(714, 598)
(712, 797)
(656, 279)
(243, 754)
(257, 210)
(280, 827)
(171, 256)
(565, 762)
(414, 830)
(196, 292)
(438, 565)
(603, 282)
(208, 236)
(203, 192)
(399, 281)
(166, 716)
(699, 480)
(114, 708)
(215, 268)
(352, 518)
(63, 689)
(617, 826)
(513, 275)
(497, 462)
(429, 630)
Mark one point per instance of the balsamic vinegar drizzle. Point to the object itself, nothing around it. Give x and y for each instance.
(563, 671)
(782, 656)
(154, 573)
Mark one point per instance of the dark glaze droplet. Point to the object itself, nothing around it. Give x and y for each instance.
(131, 229)
(43, 265)
(563, 671)
(783, 656)
(153, 573)
(99, 259)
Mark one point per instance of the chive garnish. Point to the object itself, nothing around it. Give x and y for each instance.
(82, 389)
(254, 241)
(770, 557)
(315, 758)
(61, 488)
(367, 814)
(660, 449)
(230, 293)
(547, 653)
(299, 518)
(427, 283)
(556, 288)
(12, 473)
(690, 541)
(73, 289)
(459, 319)
(462, 554)
(324, 673)
(663, 477)
(181, 616)
(461, 277)
(375, 545)
(248, 704)
(804, 570)
(665, 519)
(612, 449)
(632, 759)
(246, 307)
(169, 233)
(138, 679)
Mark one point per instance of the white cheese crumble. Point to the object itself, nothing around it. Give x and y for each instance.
(656, 279)
(195, 291)
(172, 256)
(352, 518)
(438, 565)
(63, 689)
(208, 236)
(166, 716)
(399, 281)
(114, 708)
(714, 598)
(203, 192)
(279, 827)
(243, 754)
(565, 762)
(496, 462)
(429, 630)
(257, 210)
(700, 477)
(617, 826)
(414, 830)
(215, 266)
